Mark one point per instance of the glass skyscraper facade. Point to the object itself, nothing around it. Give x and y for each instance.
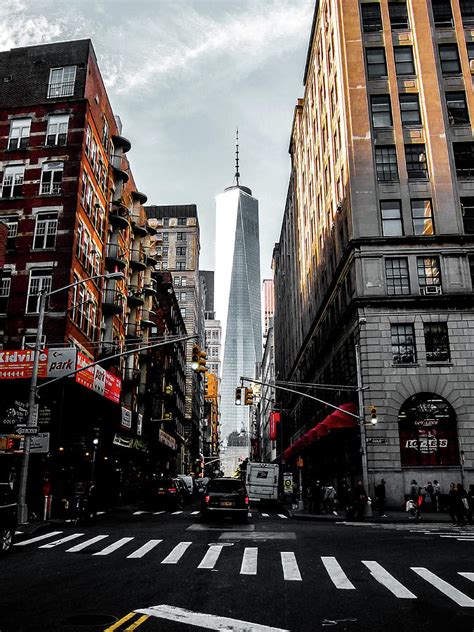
(238, 303)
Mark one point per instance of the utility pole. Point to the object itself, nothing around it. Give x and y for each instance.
(363, 436)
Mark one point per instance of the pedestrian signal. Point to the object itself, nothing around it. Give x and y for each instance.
(248, 397)
(168, 416)
(238, 396)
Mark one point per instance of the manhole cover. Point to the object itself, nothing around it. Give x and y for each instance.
(90, 619)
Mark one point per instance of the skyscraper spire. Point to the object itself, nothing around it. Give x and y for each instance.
(237, 174)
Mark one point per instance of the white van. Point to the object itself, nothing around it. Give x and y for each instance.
(262, 481)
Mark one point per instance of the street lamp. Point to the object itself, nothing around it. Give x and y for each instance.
(22, 507)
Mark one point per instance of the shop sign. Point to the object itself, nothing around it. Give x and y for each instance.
(139, 424)
(167, 439)
(274, 421)
(122, 442)
(17, 364)
(126, 418)
(98, 379)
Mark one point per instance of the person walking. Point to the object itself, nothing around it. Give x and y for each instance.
(360, 500)
(452, 502)
(437, 495)
(329, 500)
(380, 498)
(462, 505)
(414, 491)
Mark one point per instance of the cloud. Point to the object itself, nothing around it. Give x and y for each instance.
(17, 29)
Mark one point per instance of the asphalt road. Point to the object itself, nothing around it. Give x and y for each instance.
(146, 572)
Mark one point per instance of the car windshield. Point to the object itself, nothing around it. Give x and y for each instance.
(226, 486)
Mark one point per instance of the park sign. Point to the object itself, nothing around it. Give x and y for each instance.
(18, 363)
(98, 379)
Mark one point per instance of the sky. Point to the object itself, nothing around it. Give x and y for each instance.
(182, 75)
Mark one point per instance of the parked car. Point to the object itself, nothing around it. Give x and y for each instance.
(8, 517)
(162, 492)
(182, 489)
(225, 497)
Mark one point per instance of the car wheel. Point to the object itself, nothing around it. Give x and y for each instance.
(6, 539)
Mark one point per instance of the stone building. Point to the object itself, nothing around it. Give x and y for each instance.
(376, 248)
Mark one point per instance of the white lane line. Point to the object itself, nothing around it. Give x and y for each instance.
(283, 516)
(194, 513)
(113, 547)
(336, 574)
(51, 545)
(38, 538)
(139, 513)
(100, 513)
(143, 550)
(175, 513)
(18, 532)
(264, 515)
(467, 576)
(211, 557)
(157, 513)
(389, 581)
(465, 539)
(84, 545)
(249, 561)
(450, 591)
(291, 572)
(177, 553)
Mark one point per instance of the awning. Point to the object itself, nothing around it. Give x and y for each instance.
(337, 419)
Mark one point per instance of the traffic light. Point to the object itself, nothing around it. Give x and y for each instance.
(195, 358)
(13, 443)
(238, 396)
(168, 416)
(169, 389)
(248, 397)
(373, 416)
(202, 362)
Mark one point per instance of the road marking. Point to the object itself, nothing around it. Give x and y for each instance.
(139, 513)
(113, 547)
(249, 561)
(283, 516)
(18, 532)
(38, 538)
(84, 545)
(208, 621)
(389, 581)
(194, 513)
(467, 576)
(258, 535)
(265, 515)
(50, 545)
(336, 574)
(291, 572)
(117, 624)
(177, 553)
(143, 550)
(157, 513)
(465, 539)
(175, 513)
(211, 557)
(100, 513)
(450, 591)
(138, 622)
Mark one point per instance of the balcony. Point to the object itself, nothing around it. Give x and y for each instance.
(150, 288)
(135, 296)
(121, 142)
(131, 375)
(140, 230)
(61, 89)
(119, 215)
(120, 167)
(134, 332)
(115, 257)
(139, 197)
(112, 302)
(137, 259)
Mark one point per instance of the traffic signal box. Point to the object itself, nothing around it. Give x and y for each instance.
(202, 362)
(195, 358)
(248, 397)
(373, 415)
(169, 389)
(238, 396)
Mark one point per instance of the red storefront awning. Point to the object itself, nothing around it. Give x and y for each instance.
(337, 419)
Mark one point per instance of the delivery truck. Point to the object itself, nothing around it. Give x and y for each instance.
(262, 481)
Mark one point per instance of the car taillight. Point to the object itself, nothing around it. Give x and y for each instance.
(246, 500)
(207, 499)
(172, 489)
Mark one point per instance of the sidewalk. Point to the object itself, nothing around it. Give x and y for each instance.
(395, 516)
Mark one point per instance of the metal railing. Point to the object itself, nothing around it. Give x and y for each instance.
(61, 89)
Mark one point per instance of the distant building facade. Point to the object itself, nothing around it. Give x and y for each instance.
(268, 303)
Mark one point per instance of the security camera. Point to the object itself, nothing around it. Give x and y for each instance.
(363, 321)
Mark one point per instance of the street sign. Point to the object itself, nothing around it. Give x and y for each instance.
(27, 430)
(377, 440)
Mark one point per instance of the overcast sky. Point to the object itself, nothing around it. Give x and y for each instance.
(182, 74)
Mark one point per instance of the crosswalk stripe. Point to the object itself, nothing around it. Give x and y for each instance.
(143, 550)
(264, 515)
(211, 557)
(84, 545)
(113, 547)
(177, 553)
(51, 545)
(194, 513)
(465, 539)
(283, 516)
(336, 574)
(157, 513)
(467, 576)
(450, 591)
(100, 513)
(175, 513)
(249, 561)
(38, 538)
(139, 513)
(388, 580)
(291, 572)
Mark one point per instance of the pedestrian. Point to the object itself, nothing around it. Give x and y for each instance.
(315, 497)
(343, 494)
(360, 500)
(412, 508)
(437, 495)
(462, 505)
(322, 496)
(470, 502)
(452, 502)
(380, 498)
(329, 500)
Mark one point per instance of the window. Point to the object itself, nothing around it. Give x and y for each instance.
(40, 281)
(184, 281)
(396, 273)
(376, 63)
(464, 159)
(166, 237)
(403, 344)
(410, 109)
(417, 166)
(19, 133)
(470, 51)
(12, 181)
(398, 15)
(56, 133)
(381, 110)
(181, 221)
(391, 213)
(471, 269)
(181, 236)
(177, 281)
(428, 273)
(180, 265)
(442, 13)
(467, 12)
(105, 135)
(166, 221)
(5, 286)
(458, 114)
(183, 312)
(386, 163)
(45, 231)
(182, 297)
(449, 57)
(61, 82)
(371, 17)
(467, 207)
(422, 217)
(164, 251)
(12, 225)
(181, 251)
(404, 63)
(51, 178)
(437, 342)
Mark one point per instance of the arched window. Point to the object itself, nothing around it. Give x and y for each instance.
(428, 431)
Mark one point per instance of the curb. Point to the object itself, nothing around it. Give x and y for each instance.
(368, 520)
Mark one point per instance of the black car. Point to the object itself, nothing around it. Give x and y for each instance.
(182, 489)
(162, 492)
(8, 517)
(225, 497)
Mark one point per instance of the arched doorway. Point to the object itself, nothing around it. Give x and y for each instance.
(428, 431)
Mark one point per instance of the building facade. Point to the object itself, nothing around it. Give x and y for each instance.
(379, 218)
(268, 303)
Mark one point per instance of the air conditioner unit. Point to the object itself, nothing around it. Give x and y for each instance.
(432, 289)
(471, 66)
